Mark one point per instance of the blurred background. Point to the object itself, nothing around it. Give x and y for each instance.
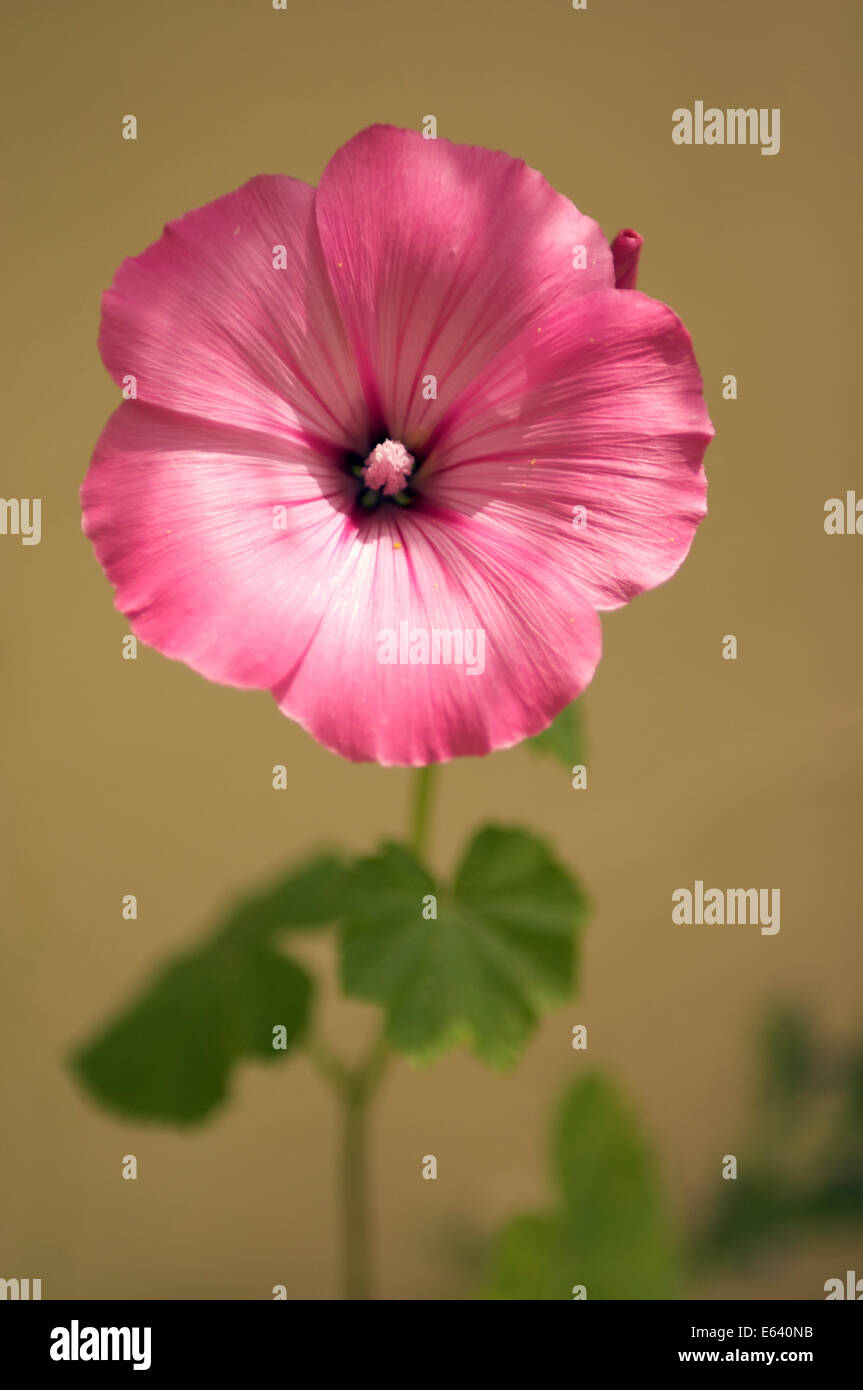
(139, 777)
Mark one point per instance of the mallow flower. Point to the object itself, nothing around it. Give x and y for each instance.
(391, 444)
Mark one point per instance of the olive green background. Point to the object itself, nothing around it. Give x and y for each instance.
(141, 777)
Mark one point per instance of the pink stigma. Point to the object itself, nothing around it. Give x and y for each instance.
(388, 466)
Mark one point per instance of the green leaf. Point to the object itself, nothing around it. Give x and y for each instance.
(168, 1057)
(804, 1083)
(850, 1119)
(170, 1054)
(788, 1048)
(311, 896)
(500, 951)
(747, 1214)
(615, 1223)
(564, 738)
(609, 1230)
(527, 1261)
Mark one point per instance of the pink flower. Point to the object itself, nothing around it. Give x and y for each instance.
(384, 425)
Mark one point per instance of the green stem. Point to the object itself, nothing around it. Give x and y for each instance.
(357, 1086)
(420, 809)
(355, 1197)
(331, 1067)
(361, 1088)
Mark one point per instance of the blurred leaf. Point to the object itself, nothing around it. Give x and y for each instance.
(527, 1261)
(610, 1231)
(563, 739)
(311, 896)
(169, 1055)
(838, 1202)
(850, 1122)
(748, 1212)
(789, 1054)
(616, 1221)
(501, 950)
(777, 1201)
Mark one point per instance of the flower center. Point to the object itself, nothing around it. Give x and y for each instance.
(388, 466)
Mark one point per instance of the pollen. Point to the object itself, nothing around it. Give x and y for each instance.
(388, 466)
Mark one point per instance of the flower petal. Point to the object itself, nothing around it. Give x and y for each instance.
(440, 255)
(182, 516)
(540, 645)
(208, 325)
(604, 411)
